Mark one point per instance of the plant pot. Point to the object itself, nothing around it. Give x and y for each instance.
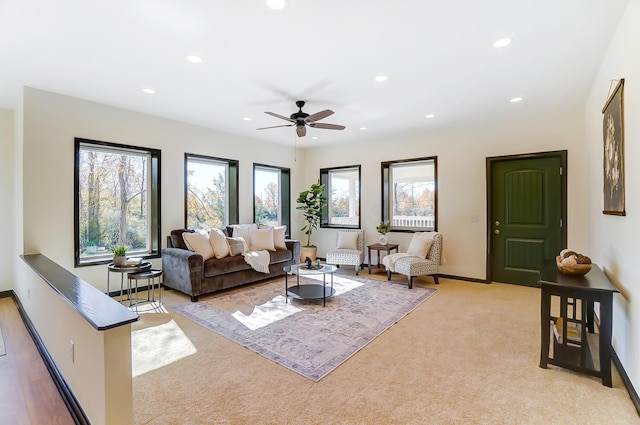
(308, 251)
(382, 240)
(120, 261)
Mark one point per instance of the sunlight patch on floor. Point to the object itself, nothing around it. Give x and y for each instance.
(341, 284)
(267, 313)
(158, 346)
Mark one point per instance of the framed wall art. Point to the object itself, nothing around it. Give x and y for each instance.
(613, 136)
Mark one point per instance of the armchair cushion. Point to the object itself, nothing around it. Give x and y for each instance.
(347, 240)
(420, 245)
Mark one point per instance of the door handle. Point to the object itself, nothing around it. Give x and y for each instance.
(497, 232)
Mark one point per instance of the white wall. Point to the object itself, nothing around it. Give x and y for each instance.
(45, 127)
(613, 239)
(462, 192)
(99, 372)
(51, 121)
(6, 197)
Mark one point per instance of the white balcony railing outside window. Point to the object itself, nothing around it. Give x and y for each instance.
(413, 221)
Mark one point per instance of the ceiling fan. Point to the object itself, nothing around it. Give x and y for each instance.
(301, 120)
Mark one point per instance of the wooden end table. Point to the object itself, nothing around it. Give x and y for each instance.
(573, 292)
(377, 247)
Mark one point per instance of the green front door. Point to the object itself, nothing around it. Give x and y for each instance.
(526, 216)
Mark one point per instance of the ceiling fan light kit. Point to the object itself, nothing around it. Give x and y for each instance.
(301, 120)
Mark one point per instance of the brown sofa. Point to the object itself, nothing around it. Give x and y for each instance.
(187, 272)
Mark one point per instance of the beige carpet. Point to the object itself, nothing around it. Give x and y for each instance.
(467, 356)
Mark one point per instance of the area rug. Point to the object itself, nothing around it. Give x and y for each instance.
(302, 335)
(2, 350)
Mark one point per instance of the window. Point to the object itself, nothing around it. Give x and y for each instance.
(409, 194)
(342, 190)
(210, 191)
(117, 201)
(272, 195)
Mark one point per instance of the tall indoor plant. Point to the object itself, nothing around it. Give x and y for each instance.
(311, 201)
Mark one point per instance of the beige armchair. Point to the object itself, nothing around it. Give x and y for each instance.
(423, 257)
(349, 249)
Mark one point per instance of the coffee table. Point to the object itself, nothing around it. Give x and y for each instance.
(309, 291)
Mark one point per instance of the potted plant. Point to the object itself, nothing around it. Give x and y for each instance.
(311, 203)
(383, 228)
(119, 255)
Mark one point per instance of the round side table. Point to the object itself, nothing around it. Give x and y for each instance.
(112, 268)
(150, 275)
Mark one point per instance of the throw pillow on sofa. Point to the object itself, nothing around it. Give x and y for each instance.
(262, 239)
(237, 246)
(278, 237)
(199, 242)
(218, 242)
(243, 231)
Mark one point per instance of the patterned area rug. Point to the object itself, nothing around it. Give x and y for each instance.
(2, 350)
(302, 335)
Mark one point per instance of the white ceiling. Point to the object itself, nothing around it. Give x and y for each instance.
(438, 56)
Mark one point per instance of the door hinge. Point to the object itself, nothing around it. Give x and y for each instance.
(560, 170)
(560, 222)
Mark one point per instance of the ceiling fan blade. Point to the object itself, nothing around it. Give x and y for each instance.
(275, 126)
(301, 130)
(327, 126)
(318, 116)
(282, 117)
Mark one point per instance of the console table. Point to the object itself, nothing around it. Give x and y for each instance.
(577, 296)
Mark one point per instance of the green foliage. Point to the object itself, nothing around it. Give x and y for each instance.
(112, 199)
(311, 204)
(119, 251)
(384, 227)
(206, 204)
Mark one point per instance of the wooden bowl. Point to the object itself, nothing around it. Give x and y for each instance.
(575, 270)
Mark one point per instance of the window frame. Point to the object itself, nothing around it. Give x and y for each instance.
(325, 174)
(154, 186)
(231, 182)
(385, 188)
(284, 195)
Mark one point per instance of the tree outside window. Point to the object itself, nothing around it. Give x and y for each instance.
(210, 191)
(116, 200)
(409, 194)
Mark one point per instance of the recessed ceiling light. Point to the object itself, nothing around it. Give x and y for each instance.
(149, 91)
(276, 4)
(314, 138)
(194, 59)
(516, 100)
(502, 42)
(363, 128)
(381, 78)
(429, 116)
(247, 118)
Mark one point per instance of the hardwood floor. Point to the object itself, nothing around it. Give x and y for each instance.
(28, 395)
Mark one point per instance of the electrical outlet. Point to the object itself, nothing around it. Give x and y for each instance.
(71, 351)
